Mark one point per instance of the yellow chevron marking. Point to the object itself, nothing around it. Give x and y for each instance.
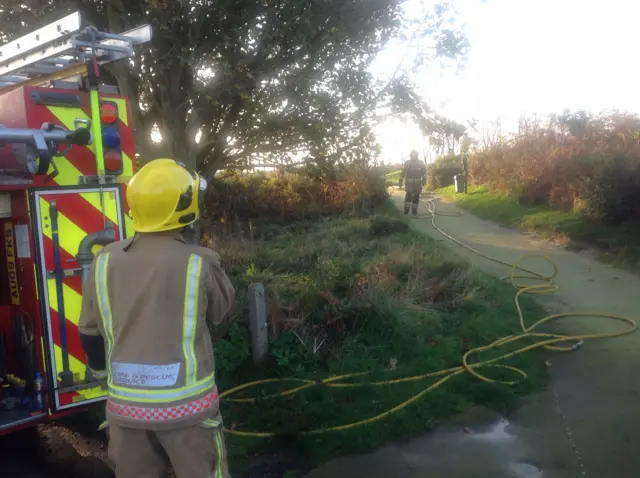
(68, 174)
(67, 227)
(68, 116)
(78, 368)
(70, 234)
(109, 201)
(72, 301)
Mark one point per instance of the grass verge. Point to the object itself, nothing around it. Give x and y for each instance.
(379, 298)
(617, 245)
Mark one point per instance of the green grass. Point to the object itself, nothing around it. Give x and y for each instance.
(615, 244)
(373, 293)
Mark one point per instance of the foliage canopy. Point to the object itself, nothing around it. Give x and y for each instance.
(255, 78)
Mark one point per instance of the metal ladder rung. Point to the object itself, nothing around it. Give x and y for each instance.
(57, 61)
(13, 78)
(63, 28)
(17, 63)
(64, 44)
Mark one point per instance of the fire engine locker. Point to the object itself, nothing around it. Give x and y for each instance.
(65, 217)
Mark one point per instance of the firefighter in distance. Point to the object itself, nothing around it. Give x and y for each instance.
(414, 176)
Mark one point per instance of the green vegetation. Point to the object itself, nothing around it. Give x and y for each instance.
(283, 198)
(616, 243)
(572, 175)
(374, 294)
(586, 165)
(442, 171)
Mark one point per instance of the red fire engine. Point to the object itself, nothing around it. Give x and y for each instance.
(66, 153)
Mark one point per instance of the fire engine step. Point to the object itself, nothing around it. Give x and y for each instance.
(18, 416)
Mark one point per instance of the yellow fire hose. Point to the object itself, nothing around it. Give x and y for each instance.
(543, 340)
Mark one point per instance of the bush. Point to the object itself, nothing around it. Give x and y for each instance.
(611, 194)
(232, 351)
(588, 164)
(287, 197)
(441, 177)
(452, 161)
(441, 172)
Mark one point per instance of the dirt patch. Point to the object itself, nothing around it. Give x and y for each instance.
(71, 454)
(57, 451)
(53, 451)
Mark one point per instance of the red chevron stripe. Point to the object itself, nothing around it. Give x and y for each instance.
(79, 211)
(67, 259)
(74, 346)
(125, 203)
(75, 282)
(66, 398)
(80, 157)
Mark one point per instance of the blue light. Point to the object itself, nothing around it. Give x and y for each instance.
(110, 137)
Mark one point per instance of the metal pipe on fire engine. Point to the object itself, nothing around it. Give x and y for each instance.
(85, 253)
(85, 259)
(40, 137)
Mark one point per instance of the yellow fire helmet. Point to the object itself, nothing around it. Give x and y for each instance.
(164, 195)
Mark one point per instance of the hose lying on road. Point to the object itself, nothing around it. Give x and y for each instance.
(547, 341)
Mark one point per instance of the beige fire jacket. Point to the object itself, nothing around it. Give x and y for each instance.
(150, 298)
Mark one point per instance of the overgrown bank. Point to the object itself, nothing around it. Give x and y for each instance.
(349, 294)
(574, 174)
(615, 243)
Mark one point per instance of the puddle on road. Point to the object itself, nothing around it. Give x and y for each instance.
(496, 432)
(493, 450)
(525, 470)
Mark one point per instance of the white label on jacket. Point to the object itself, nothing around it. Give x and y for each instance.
(140, 375)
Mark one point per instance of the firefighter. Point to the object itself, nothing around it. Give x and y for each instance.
(148, 302)
(414, 175)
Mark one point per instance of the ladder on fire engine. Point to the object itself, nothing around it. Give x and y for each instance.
(63, 49)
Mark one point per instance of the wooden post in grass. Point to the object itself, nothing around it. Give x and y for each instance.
(258, 323)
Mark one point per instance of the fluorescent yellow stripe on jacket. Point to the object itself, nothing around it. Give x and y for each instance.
(190, 318)
(192, 386)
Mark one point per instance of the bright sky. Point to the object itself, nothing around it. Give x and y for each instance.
(531, 56)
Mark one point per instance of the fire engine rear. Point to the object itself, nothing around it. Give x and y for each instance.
(66, 153)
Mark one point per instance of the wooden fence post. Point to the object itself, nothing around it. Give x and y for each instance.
(258, 323)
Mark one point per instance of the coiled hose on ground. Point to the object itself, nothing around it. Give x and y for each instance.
(543, 340)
